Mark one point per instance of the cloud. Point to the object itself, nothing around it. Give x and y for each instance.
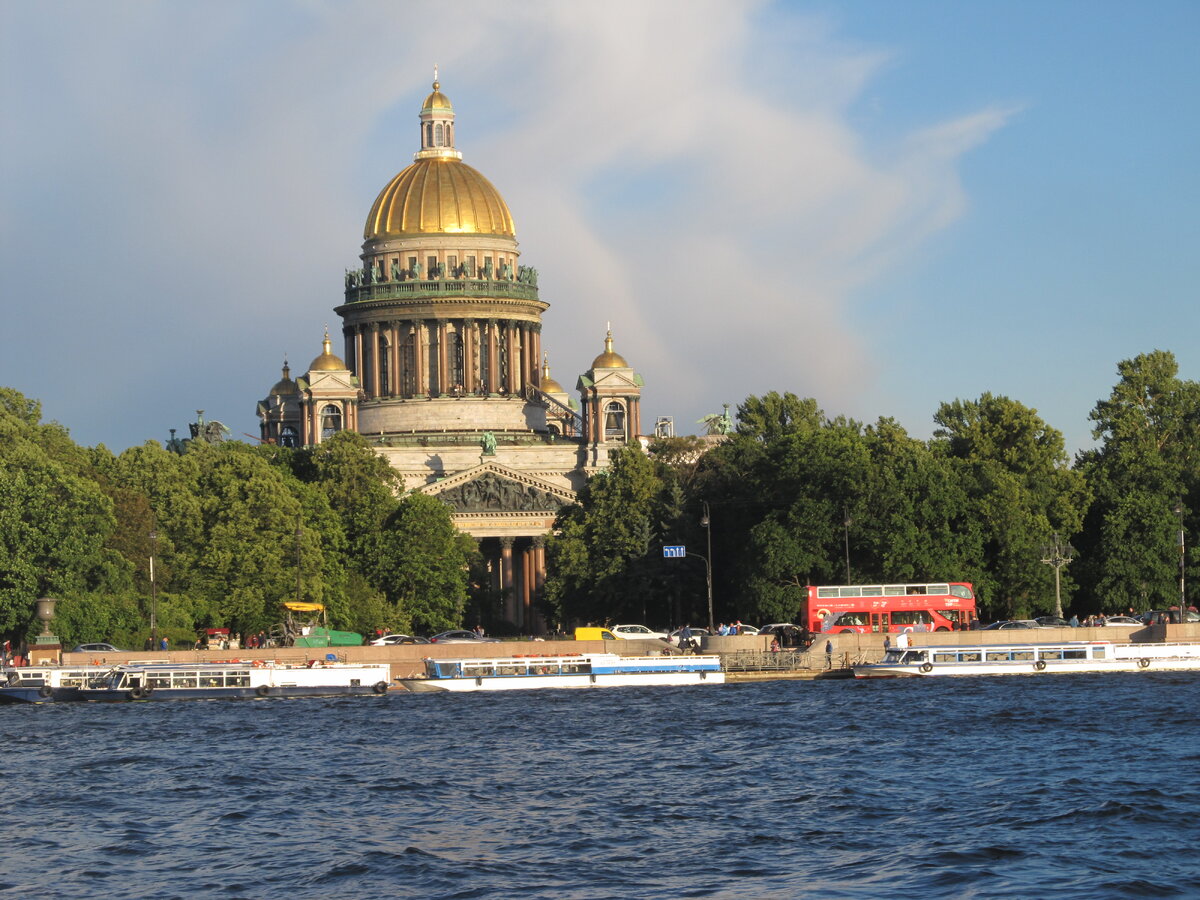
(188, 184)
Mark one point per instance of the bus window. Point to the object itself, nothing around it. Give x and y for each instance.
(961, 590)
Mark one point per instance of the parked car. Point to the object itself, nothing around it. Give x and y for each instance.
(1126, 621)
(787, 634)
(1010, 624)
(1052, 622)
(389, 639)
(697, 633)
(97, 648)
(746, 629)
(637, 633)
(461, 637)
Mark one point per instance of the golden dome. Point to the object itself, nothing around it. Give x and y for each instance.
(327, 362)
(285, 386)
(439, 196)
(436, 100)
(608, 359)
(549, 385)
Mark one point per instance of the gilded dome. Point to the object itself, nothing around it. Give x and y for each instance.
(285, 387)
(608, 359)
(327, 362)
(439, 196)
(437, 100)
(549, 385)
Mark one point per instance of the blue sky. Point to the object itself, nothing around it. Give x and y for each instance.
(881, 205)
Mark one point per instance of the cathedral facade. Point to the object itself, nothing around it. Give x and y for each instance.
(442, 368)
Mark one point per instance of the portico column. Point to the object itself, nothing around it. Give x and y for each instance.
(506, 579)
(526, 587)
(536, 332)
(493, 361)
(357, 367)
(420, 352)
(375, 391)
(539, 576)
(443, 384)
(394, 362)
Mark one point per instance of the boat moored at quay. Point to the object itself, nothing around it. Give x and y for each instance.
(578, 670)
(237, 678)
(1032, 659)
(48, 684)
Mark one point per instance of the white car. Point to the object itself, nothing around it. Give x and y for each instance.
(637, 633)
(1126, 621)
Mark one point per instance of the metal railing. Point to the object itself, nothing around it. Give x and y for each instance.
(458, 287)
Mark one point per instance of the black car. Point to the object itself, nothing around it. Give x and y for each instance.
(461, 637)
(1052, 622)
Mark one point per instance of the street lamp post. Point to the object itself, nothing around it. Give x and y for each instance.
(706, 524)
(153, 591)
(846, 520)
(1182, 592)
(1057, 554)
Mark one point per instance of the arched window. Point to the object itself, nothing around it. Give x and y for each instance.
(331, 421)
(614, 421)
(454, 353)
(288, 437)
(438, 131)
(429, 135)
(385, 361)
(408, 367)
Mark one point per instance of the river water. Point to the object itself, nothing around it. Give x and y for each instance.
(1066, 786)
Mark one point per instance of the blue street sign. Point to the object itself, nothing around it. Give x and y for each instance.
(674, 551)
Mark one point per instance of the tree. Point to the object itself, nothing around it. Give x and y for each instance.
(422, 561)
(1148, 462)
(1020, 491)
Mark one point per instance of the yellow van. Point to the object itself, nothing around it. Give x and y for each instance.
(594, 634)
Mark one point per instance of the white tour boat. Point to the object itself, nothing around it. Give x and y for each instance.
(1032, 659)
(47, 684)
(577, 670)
(238, 678)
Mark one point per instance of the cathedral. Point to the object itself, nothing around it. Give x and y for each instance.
(442, 368)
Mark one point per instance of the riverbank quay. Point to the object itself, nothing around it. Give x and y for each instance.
(743, 657)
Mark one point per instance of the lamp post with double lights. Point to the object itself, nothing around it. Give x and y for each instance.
(706, 524)
(153, 591)
(1057, 554)
(1182, 559)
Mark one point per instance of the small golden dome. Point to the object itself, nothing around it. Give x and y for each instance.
(439, 196)
(285, 387)
(549, 385)
(437, 100)
(608, 359)
(327, 362)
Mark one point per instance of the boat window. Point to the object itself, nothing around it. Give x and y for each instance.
(185, 679)
(1025, 655)
(945, 656)
(968, 656)
(893, 656)
(915, 656)
(158, 679)
(1051, 654)
(1097, 653)
(997, 656)
(1075, 654)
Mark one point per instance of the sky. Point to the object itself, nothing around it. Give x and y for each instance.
(885, 206)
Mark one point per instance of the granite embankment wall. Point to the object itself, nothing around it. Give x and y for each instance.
(406, 660)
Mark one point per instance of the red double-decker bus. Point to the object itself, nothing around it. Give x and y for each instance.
(890, 608)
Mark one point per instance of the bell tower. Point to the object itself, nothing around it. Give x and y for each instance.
(612, 403)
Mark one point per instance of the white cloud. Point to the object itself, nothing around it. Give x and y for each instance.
(671, 166)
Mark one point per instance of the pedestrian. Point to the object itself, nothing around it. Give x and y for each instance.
(829, 654)
(164, 643)
(887, 643)
(1074, 621)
